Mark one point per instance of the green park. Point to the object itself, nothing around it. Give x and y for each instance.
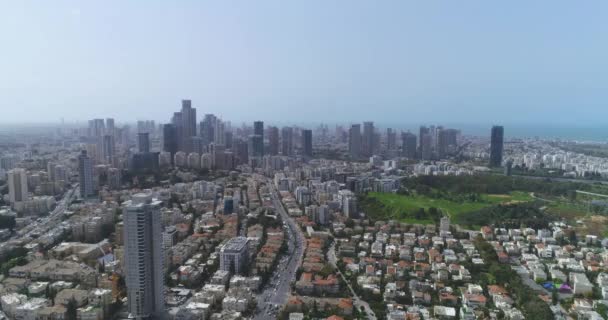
(473, 201)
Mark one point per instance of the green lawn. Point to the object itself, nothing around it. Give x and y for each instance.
(402, 207)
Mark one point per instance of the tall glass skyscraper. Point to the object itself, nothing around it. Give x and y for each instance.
(85, 175)
(307, 143)
(170, 140)
(496, 146)
(287, 141)
(354, 141)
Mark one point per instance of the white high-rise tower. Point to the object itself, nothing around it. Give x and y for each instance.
(144, 257)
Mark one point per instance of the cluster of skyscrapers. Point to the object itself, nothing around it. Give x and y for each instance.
(432, 143)
(216, 136)
(436, 142)
(210, 143)
(103, 141)
(362, 144)
(102, 138)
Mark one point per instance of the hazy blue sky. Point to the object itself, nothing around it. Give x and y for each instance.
(388, 61)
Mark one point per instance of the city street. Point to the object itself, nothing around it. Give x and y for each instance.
(277, 290)
(54, 217)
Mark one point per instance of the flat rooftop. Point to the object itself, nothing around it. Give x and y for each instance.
(235, 244)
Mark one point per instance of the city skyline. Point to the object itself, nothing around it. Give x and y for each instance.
(413, 61)
(327, 160)
(578, 132)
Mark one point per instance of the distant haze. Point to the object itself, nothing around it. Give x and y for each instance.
(388, 61)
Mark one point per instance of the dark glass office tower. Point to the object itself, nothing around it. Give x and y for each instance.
(187, 127)
(256, 146)
(496, 146)
(408, 145)
(258, 130)
(273, 141)
(170, 140)
(354, 141)
(307, 143)
(391, 139)
(287, 141)
(368, 147)
(143, 141)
